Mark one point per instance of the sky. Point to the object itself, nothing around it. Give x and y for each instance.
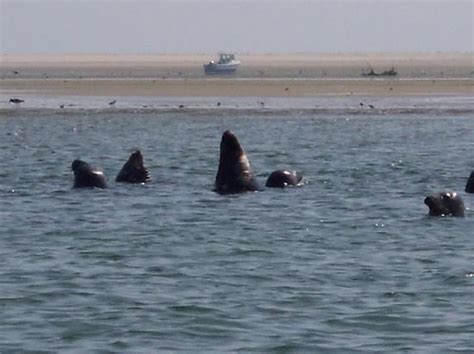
(258, 26)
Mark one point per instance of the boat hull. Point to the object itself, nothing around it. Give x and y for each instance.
(213, 69)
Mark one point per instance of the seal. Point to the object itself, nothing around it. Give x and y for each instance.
(234, 174)
(283, 178)
(87, 176)
(470, 184)
(133, 170)
(445, 203)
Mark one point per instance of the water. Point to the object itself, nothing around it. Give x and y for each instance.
(350, 262)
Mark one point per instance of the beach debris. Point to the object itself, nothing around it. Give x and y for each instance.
(16, 72)
(287, 88)
(371, 72)
(61, 106)
(261, 103)
(181, 106)
(218, 104)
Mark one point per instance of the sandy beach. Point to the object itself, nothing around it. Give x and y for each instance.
(243, 87)
(274, 75)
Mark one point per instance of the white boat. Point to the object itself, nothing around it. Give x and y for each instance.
(227, 64)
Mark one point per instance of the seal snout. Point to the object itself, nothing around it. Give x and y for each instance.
(77, 164)
(137, 158)
(133, 171)
(228, 137)
(233, 174)
(230, 143)
(434, 208)
(227, 134)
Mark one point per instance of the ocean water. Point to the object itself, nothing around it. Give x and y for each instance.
(349, 262)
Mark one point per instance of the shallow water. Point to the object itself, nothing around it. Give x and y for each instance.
(330, 104)
(349, 262)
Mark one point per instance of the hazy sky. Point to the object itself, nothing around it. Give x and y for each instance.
(180, 26)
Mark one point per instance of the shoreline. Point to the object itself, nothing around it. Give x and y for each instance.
(239, 87)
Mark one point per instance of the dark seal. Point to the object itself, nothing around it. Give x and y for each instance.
(86, 176)
(133, 170)
(283, 178)
(234, 174)
(470, 184)
(445, 203)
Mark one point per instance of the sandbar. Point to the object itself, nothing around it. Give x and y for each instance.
(276, 75)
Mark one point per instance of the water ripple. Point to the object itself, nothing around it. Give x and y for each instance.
(349, 262)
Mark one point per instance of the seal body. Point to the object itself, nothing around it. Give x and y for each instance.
(133, 170)
(86, 176)
(283, 178)
(234, 174)
(470, 184)
(445, 203)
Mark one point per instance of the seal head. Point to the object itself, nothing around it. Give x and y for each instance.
(234, 174)
(445, 203)
(283, 178)
(86, 176)
(133, 170)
